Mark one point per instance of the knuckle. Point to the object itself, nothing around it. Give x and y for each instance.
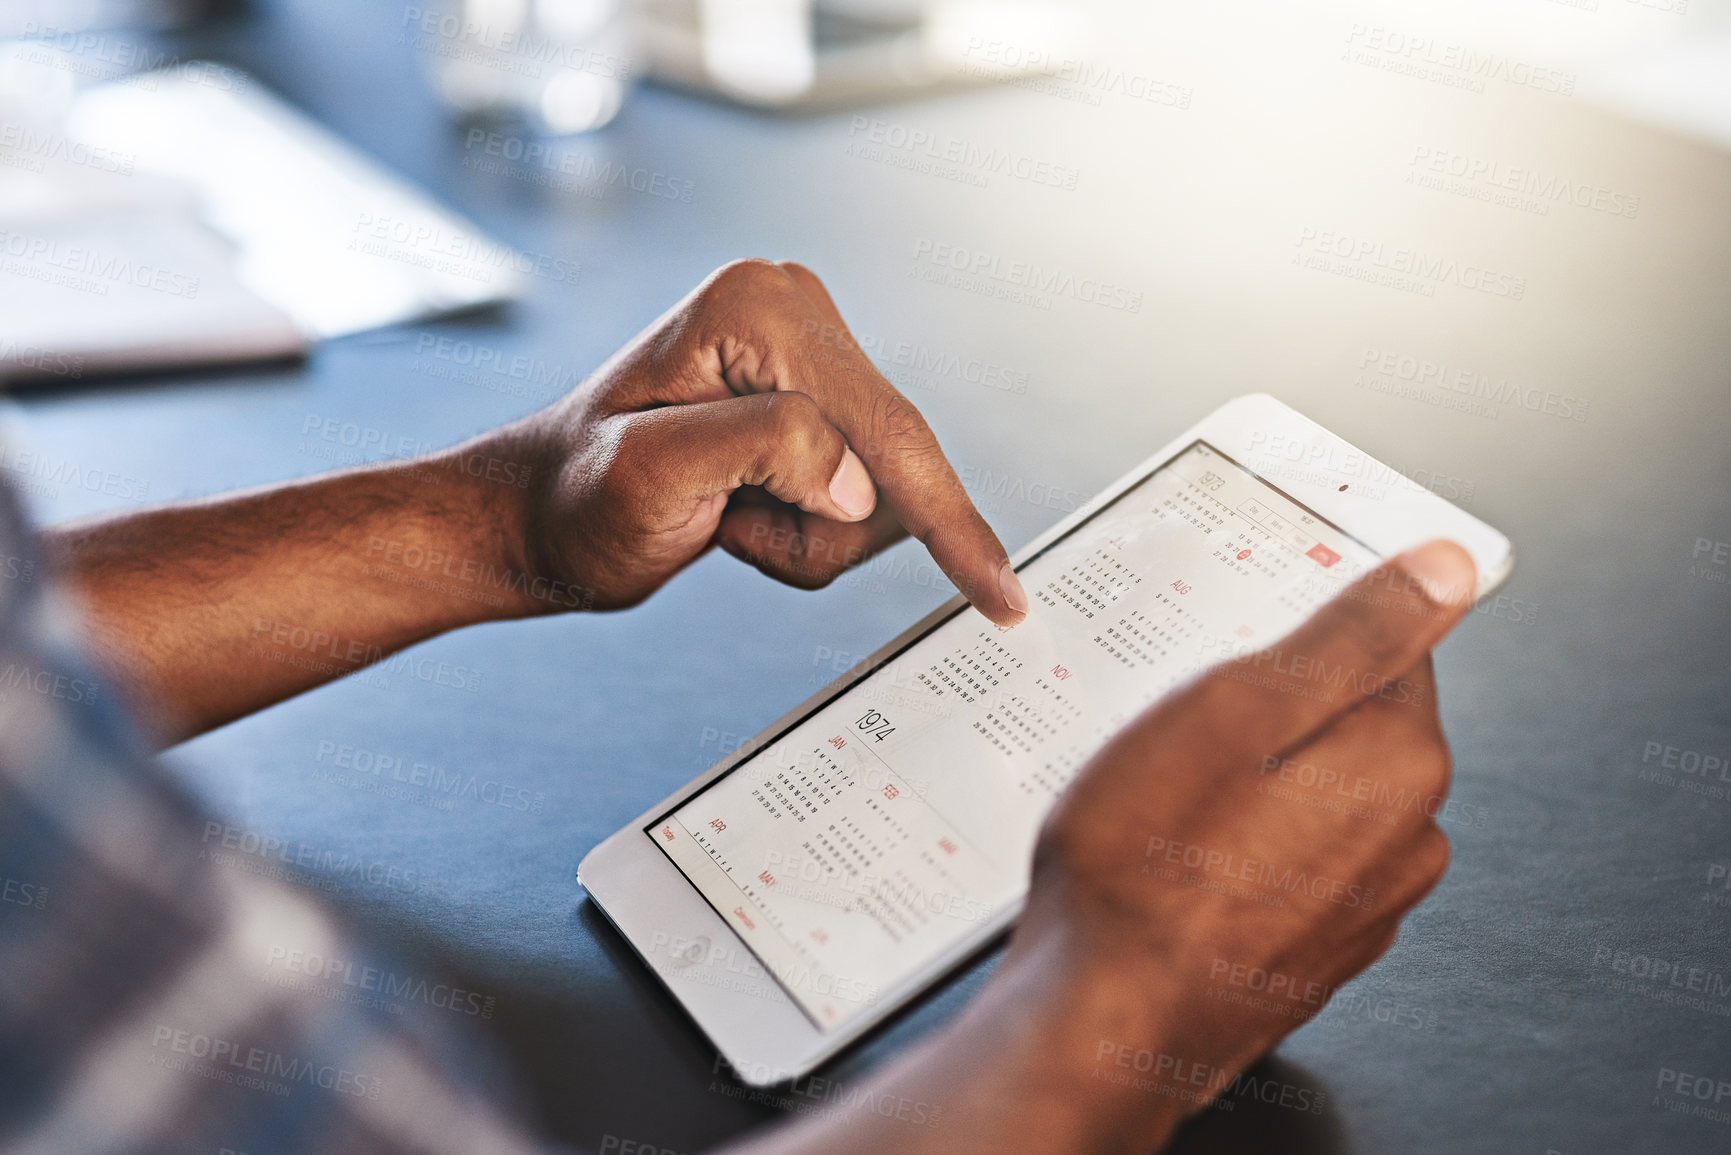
(623, 441)
(1443, 773)
(796, 425)
(1434, 767)
(1422, 774)
(617, 477)
(1433, 856)
(811, 577)
(748, 276)
(899, 427)
(800, 275)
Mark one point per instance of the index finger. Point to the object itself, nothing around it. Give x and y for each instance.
(903, 456)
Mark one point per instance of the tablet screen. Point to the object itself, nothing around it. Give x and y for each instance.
(882, 830)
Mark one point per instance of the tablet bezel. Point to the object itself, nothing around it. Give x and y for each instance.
(757, 1027)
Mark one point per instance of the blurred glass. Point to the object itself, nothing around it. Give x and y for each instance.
(758, 49)
(812, 54)
(563, 64)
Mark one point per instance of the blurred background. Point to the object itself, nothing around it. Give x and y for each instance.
(1489, 243)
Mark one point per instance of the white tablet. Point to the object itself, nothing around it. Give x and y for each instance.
(853, 853)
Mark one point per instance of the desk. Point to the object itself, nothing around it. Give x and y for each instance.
(1556, 360)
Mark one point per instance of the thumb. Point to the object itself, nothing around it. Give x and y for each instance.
(681, 456)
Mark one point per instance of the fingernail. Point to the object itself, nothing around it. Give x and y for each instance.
(1444, 569)
(1011, 587)
(851, 488)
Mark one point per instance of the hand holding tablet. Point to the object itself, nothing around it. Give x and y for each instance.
(1184, 915)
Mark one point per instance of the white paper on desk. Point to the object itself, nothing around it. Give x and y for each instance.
(102, 273)
(332, 239)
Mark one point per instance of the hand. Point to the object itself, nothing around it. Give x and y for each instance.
(1255, 873)
(747, 417)
(1261, 833)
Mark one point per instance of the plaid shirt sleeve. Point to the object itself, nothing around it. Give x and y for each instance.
(143, 1006)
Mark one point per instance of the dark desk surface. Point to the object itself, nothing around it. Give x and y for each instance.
(1519, 1012)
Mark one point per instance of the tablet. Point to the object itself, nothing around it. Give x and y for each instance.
(856, 851)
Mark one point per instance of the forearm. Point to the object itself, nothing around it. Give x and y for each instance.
(1019, 1070)
(204, 611)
